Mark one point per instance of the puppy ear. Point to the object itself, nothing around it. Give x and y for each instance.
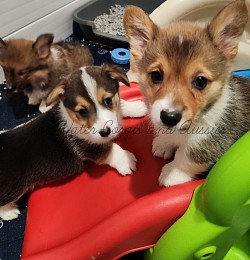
(3, 45)
(140, 30)
(227, 27)
(42, 45)
(55, 94)
(116, 73)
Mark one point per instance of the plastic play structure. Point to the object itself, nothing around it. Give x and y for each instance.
(103, 215)
(217, 222)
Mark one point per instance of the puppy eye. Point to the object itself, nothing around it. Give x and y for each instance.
(83, 112)
(108, 102)
(156, 76)
(200, 82)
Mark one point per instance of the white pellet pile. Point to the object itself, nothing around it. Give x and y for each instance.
(111, 23)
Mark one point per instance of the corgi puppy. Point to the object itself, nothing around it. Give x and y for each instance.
(60, 143)
(35, 67)
(197, 107)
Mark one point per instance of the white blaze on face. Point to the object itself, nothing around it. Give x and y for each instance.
(180, 38)
(105, 117)
(161, 104)
(166, 104)
(55, 53)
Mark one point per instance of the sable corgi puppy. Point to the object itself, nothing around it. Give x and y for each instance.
(59, 143)
(35, 67)
(197, 107)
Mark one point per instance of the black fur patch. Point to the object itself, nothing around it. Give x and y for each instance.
(41, 152)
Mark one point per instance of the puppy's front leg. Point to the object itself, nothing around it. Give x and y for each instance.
(163, 147)
(180, 170)
(123, 161)
(133, 108)
(33, 100)
(43, 107)
(9, 211)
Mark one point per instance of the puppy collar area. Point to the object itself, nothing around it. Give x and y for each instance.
(120, 56)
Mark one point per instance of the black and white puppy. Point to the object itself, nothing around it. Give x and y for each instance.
(59, 144)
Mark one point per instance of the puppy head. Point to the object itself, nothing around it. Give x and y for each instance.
(183, 68)
(25, 62)
(90, 102)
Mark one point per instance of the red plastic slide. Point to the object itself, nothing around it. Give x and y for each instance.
(101, 214)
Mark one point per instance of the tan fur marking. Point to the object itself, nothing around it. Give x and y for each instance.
(120, 77)
(102, 94)
(116, 102)
(86, 123)
(81, 102)
(74, 115)
(75, 118)
(227, 27)
(136, 20)
(54, 95)
(11, 56)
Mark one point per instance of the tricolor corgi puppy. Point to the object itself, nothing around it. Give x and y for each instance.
(36, 67)
(60, 143)
(197, 107)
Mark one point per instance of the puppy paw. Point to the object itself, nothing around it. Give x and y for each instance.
(43, 108)
(9, 211)
(133, 108)
(140, 109)
(122, 160)
(171, 175)
(127, 163)
(161, 150)
(34, 101)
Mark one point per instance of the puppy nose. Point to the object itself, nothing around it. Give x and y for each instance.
(105, 132)
(170, 119)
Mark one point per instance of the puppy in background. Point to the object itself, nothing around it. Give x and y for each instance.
(35, 67)
(60, 143)
(197, 107)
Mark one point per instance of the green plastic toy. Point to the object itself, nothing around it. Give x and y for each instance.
(217, 223)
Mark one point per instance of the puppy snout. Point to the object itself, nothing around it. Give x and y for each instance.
(105, 132)
(171, 118)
